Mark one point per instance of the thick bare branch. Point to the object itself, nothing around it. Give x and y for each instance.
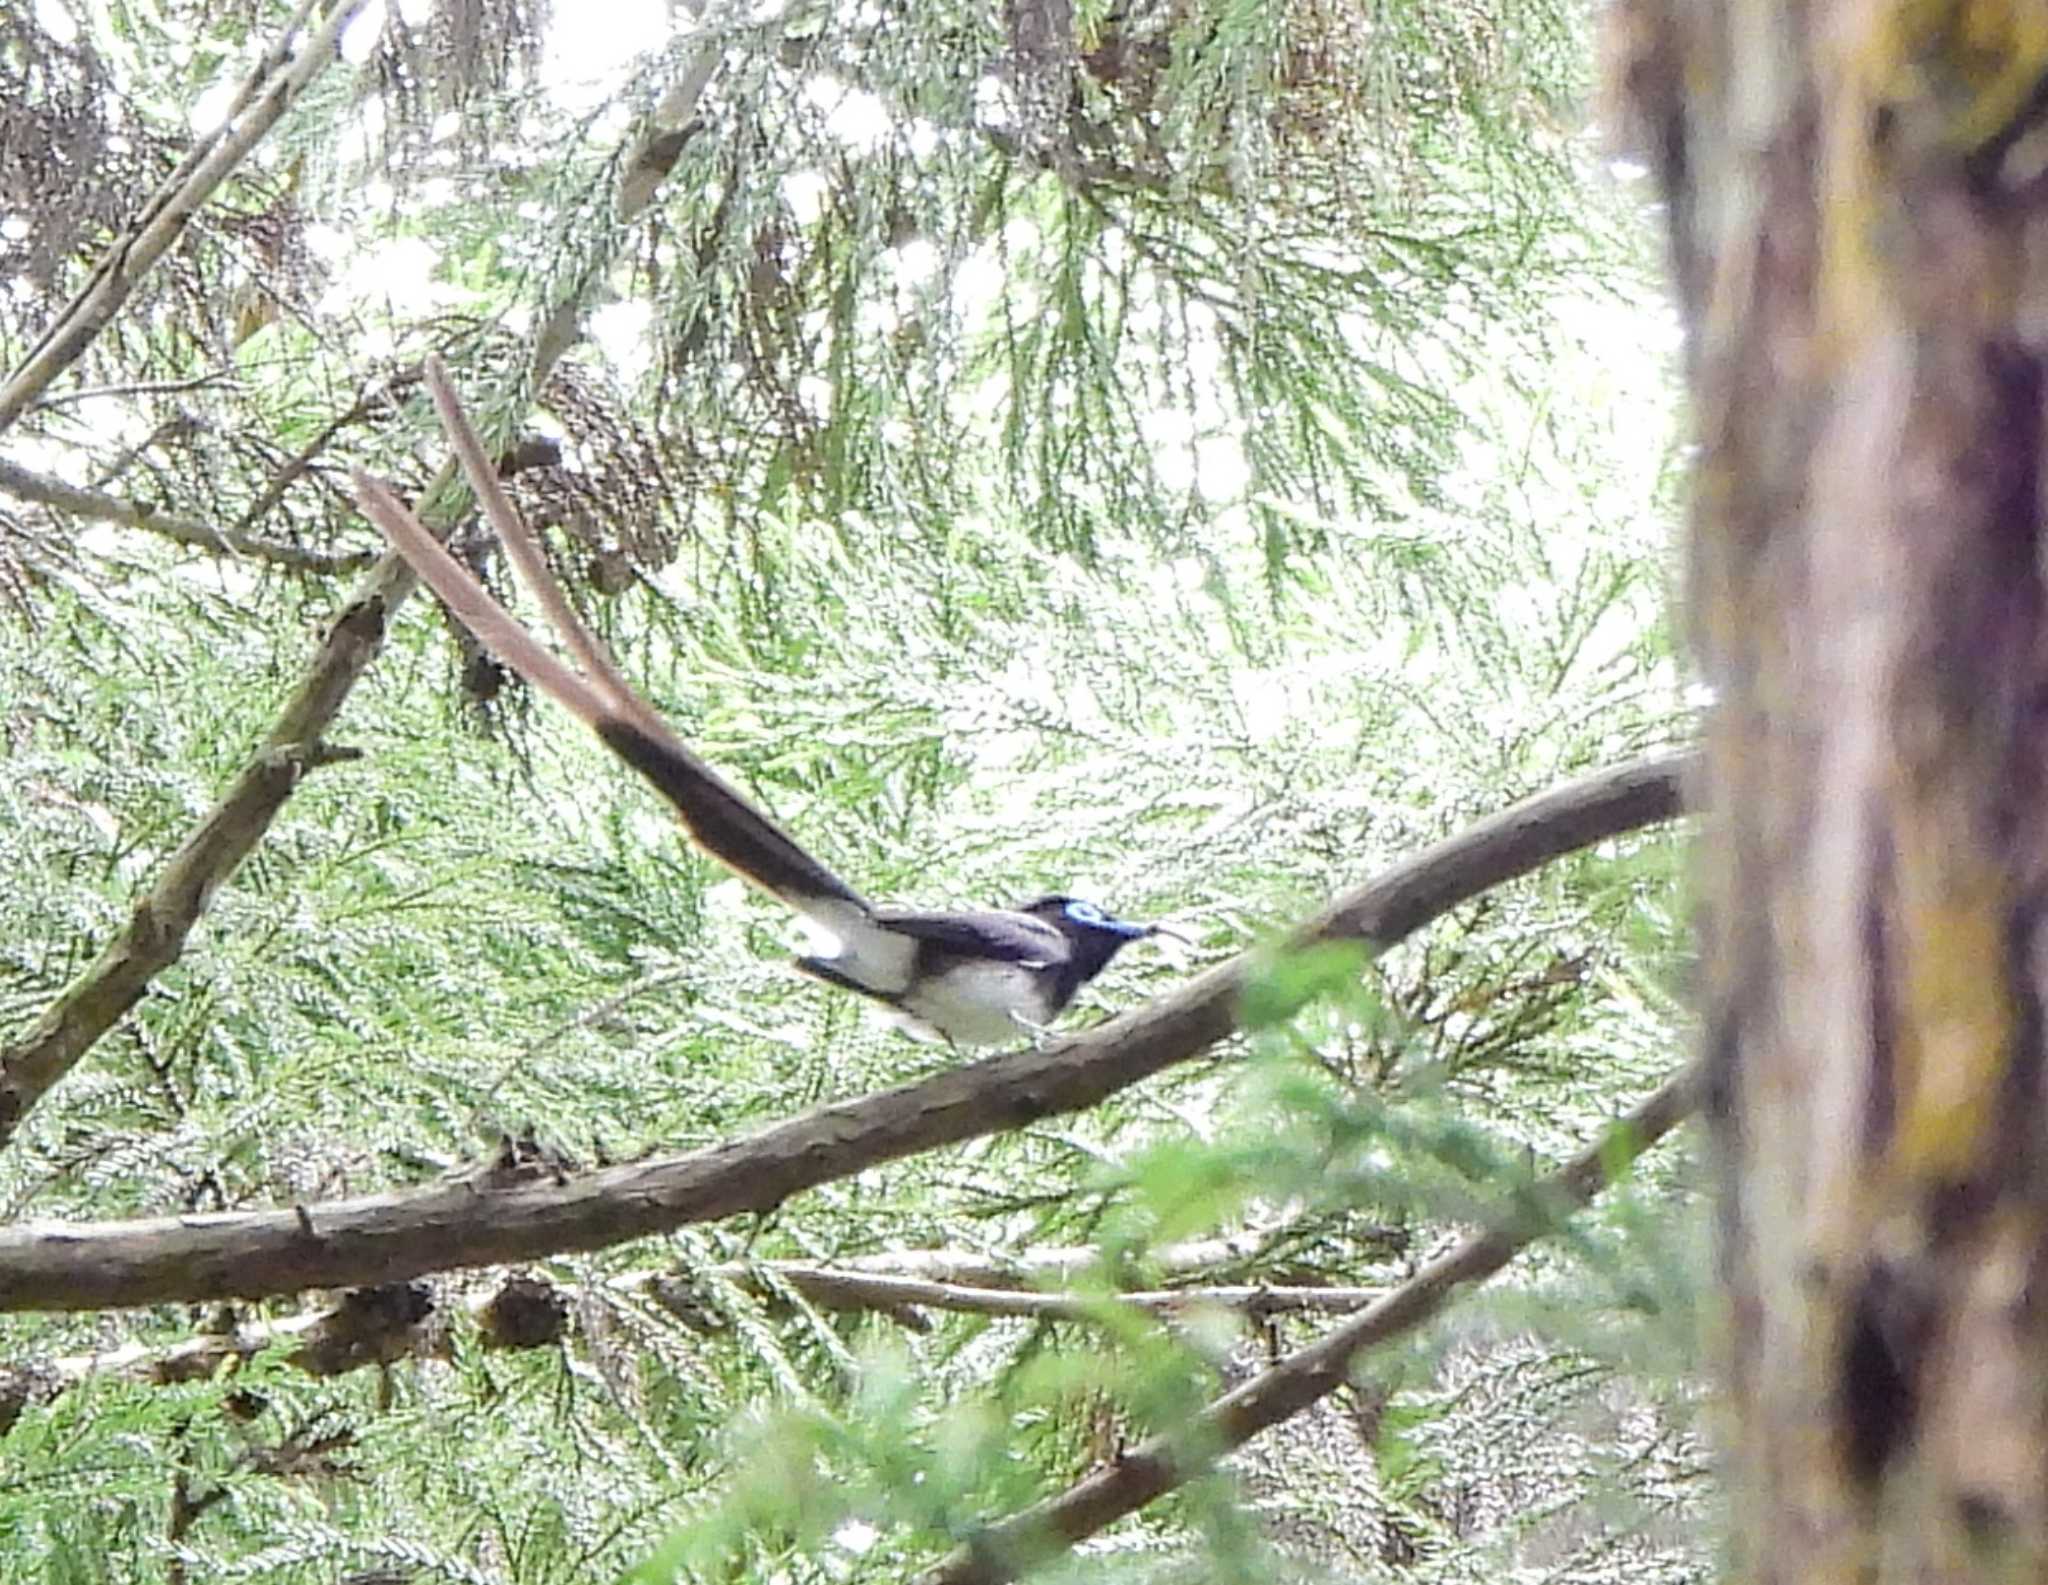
(1163, 1462)
(27, 486)
(514, 1216)
(272, 89)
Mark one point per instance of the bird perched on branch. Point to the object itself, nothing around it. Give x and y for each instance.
(971, 978)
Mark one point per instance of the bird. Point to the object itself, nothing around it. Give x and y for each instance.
(976, 977)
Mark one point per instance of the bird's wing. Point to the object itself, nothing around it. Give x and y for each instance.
(998, 935)
(722, 819)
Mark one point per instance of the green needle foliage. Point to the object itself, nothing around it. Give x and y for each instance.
(1192, 466)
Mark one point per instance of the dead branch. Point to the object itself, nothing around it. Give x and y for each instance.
(272, 89)
(1059, 1264)
(506, 1217)
(1160, 1463)
(832, 1288)
(45, 491)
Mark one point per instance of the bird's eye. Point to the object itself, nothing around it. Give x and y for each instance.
(1084, 913)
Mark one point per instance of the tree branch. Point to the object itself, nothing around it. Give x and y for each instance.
(1051, 1264)
(833, 1288)
(24, 485)
(163, 917)
(671, 126)
(516, 1215)
(272, 89)
(1160, 1463)
(404, 1320)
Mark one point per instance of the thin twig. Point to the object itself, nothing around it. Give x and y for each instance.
(40, 488)
(273, 88)
(385, 395)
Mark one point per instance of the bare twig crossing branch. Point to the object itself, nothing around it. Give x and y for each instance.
(378, 1326)
(27, 486)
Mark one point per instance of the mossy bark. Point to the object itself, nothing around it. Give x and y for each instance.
(1858, 201)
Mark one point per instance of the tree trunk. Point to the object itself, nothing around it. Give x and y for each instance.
(1858, 201)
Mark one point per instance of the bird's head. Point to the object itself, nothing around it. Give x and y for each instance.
(1081, 919)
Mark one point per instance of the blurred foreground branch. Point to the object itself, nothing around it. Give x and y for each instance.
(1160, 1463)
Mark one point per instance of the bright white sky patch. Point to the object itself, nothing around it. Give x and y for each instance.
(1221, 472)
(1168, 426)
(210, 109)
(621, 333)
(917, 261)
(977, 286)
(359, 38)
(804, 192)
(329, 244)
(587, 48)
(359, 134)
(401, 271)
(992, 103)
(854, 116)
(55, 19)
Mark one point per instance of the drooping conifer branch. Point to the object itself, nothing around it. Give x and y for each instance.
(280, 78)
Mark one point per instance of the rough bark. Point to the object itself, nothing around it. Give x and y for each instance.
(1860, 238)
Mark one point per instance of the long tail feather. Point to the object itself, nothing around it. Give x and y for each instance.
(494, 626)
(724, 822)
(589, 650)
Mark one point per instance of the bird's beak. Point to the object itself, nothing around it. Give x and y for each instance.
(1169, 931)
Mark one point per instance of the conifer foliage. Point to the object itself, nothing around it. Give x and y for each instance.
(1196, 455)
